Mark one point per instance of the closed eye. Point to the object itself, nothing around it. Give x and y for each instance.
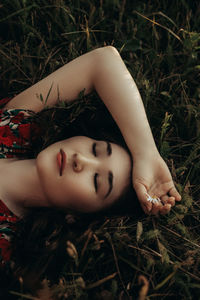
(94, 149)
(95, 182)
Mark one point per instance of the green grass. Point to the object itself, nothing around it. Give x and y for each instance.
(159, 42)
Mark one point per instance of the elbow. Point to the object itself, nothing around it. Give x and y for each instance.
(106, 58)
(107, 50)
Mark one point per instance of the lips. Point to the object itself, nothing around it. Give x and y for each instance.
(61, 158)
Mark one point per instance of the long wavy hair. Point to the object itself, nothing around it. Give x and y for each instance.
(39, 246)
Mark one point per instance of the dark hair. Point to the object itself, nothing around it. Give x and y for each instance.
(86, 116)
(40, 240)
(39, 246)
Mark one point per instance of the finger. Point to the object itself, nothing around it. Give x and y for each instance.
(171, 200)
(145, 209)
(156, 208)
(173, 192)
(142, 197)
(166, 199)
(165, 209)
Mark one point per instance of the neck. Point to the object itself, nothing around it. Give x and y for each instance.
(20, 186)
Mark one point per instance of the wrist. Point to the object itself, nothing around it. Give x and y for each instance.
(145, 152)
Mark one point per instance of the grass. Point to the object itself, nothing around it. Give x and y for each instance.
(159, 42)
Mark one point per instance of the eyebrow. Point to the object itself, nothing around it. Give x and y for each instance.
(110, 181)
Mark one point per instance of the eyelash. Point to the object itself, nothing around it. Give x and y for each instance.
(96, 174)
(95, 181)
(94, 149)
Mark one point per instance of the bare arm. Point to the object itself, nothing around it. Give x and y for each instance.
(69, 80)
(119, 92)
(103, 69)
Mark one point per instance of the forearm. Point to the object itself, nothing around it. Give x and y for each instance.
(120, 94)
(104, 70)
(150, 174)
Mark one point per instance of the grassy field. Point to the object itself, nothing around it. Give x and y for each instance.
(160, 43)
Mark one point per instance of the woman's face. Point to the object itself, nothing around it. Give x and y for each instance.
(93, 176)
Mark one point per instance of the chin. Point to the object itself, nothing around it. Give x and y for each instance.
(43, 164)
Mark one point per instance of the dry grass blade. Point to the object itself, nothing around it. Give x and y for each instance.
(180, 236)
(24, 296)
(160, 25)
(160, 46)
(16, 65)
(100, 282)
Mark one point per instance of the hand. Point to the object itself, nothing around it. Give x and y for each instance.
(151, 176)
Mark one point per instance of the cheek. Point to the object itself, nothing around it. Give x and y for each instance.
(78, 188)
(81, 196)
(73, 191)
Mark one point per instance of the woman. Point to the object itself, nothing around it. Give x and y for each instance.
(83, 174)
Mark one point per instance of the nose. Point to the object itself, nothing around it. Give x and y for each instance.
(80, 162)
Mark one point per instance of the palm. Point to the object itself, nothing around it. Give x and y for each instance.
(152, 176)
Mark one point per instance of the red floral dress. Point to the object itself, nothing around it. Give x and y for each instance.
(16, 131)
